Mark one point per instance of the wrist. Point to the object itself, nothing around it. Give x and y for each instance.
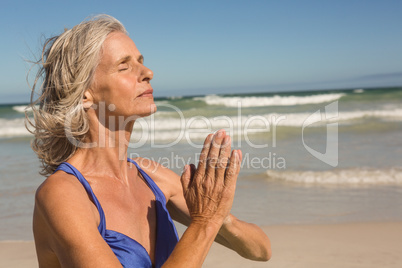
(205, 229)
(207, 224)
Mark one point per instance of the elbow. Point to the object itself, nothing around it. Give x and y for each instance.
(264, 254)
(267, 252)
(262, 257)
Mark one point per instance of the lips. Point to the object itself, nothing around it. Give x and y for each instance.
(147, 93)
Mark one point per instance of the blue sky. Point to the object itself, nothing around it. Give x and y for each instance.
(203, 47)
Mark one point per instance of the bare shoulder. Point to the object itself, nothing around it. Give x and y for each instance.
(49, 197)
(64, 218)
(59, 200)
(55, 183)
(60, 189)
(167, 180)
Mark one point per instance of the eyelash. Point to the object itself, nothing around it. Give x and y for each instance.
(126, 67)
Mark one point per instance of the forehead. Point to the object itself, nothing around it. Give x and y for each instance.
(116, 46)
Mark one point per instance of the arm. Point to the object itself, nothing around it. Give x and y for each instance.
(247, 239)
(209, 192)
(65, 226)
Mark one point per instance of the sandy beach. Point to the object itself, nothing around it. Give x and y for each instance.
(375, 244)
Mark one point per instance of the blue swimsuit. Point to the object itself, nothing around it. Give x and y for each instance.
(129, 252)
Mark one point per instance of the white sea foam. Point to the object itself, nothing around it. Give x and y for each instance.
(290, 119)
(161, 102)
(359, 90)
(275, 100)
(21, 108)
(341, 176)
(175, 97)
(13, 127)
(167, 127)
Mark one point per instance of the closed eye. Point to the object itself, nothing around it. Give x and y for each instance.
(123, 66)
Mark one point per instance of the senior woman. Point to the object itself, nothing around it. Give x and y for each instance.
(97, 208)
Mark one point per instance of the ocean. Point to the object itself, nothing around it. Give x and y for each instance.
(309, 157)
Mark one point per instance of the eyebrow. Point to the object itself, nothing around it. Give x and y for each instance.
(140, 59)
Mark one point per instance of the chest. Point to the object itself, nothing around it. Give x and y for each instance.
(130, 210)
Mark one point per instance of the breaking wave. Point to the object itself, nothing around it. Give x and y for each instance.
(168, 125)
(275, 100)
(341, 176)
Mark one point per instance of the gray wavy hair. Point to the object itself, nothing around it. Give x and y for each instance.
(67, 68)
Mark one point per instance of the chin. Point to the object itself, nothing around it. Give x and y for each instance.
(151, 110)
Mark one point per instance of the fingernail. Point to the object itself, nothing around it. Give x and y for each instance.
(227, 140)
(184, 169)
(220, 134)
(237, 157)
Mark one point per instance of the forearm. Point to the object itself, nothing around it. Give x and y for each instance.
(247, 239)
(193, 246)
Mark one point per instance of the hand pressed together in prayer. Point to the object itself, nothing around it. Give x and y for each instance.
(209, 189)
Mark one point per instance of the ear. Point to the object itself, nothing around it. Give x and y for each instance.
(88, 100)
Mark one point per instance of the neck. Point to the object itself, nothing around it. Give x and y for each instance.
(104, 150)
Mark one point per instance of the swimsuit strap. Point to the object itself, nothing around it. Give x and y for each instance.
(129, 252)
(166, 233)
(70, 169)
(155, 189)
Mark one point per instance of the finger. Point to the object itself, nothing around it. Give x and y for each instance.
(239, 159)
(223, 160)
(192, 169)
(226, 142)
(232, 170)
(213, 154)
(202, 162)
(185, 179)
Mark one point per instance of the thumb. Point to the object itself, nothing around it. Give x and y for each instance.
(185, 178)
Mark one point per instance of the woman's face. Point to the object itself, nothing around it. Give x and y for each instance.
(121, 80)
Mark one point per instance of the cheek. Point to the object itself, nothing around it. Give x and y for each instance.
(127, 86)
(120, 93)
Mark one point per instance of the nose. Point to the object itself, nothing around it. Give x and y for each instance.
(147, 74)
